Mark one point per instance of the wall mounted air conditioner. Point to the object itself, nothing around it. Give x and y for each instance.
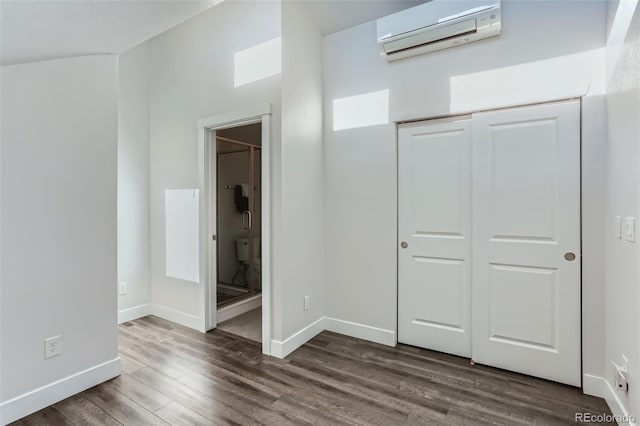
(437, 25)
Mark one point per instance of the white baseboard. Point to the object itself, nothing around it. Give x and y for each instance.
(134, 313)
(239, 308)
(617, 407)
(361, 331)
(281, 349)
(173, 315)
(377, 335)
(40, 398)
(593, 385)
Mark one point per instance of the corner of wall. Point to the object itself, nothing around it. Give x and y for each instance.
(130, 314)
(134, 267)
(593, 189)
(593, 385)
(281, 349)
(622, 294)
(618, 409)
(300, 224)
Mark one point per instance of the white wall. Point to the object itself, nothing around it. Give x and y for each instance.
(191, 69)
(299, 254)
(59, 140)
(133, 178)
(622, 275)
(594, 151)
(547, 50)
(192, 76)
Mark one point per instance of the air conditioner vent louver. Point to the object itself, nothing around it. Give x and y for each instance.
(421, 30)
(430, 42)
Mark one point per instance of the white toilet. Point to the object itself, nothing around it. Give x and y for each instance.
(242, 253)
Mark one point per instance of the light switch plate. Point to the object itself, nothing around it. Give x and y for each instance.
(306, 303)
(630, 229)
(618, 227)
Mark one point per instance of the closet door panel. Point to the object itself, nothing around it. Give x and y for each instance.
(526, 248)
(434, 198)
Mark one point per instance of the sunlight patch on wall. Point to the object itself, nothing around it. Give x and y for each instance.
(181, 234)
(559, 77)
(258, 62)
(367, 109)
(619, 28)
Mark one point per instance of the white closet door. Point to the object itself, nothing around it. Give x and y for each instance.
(434, 181)
(526, 248)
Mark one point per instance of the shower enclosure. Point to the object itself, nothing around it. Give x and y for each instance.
(238, 213)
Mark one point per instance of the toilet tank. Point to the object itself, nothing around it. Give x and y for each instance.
(242, 249)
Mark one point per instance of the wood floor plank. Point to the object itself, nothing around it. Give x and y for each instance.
(46, 417)
(285, 419)
(177, 414)
(150, 356)
(440, 373)
(120, 407)
(376, 381)
(129, 365)
(347, 405)
(176, 375)
(466, 417)
(206, 406)
(138, 392)
(244, 399)
(221, 388)
(479, 401)
(81, 411)
(312, 410)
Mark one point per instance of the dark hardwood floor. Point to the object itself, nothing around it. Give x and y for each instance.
(174, 375)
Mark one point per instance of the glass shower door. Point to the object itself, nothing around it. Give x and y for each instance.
(238, 221)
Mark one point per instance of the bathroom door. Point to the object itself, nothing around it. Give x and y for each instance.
(434, 213)
(526, 240)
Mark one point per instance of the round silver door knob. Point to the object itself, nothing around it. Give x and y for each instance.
(569, 256)
(404, 244)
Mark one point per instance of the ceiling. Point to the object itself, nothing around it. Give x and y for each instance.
(336, 15)
(46, 29)
(34, 30)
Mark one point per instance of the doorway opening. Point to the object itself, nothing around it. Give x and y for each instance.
(246, 255)
(238, 230)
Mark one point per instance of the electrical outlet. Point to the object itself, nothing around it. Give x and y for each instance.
(621, 375)
(52, 346)
(122, 289)
(306, 303)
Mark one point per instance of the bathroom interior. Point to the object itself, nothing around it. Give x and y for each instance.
(238, 289)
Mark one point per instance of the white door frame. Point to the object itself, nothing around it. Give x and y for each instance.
(206, 157)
